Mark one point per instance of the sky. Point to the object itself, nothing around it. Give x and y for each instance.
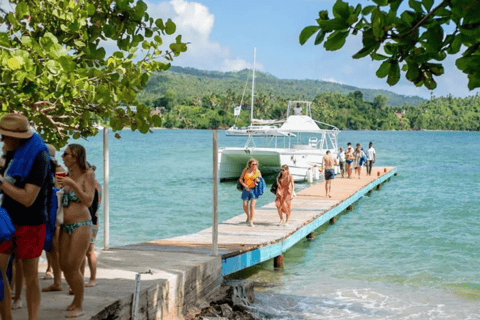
(224, 33)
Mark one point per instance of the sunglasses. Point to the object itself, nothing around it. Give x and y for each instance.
(66, 154)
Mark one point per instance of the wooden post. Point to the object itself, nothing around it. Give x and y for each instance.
(378, 173)
(395, 174)
(350, 207)
(278, 262)
(215, 194)
(384, 169)
(333, 220)
(311, 236)
(106, 180)
(379, 186)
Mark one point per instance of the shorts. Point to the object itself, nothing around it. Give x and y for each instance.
(342, 165)
(26, 243)
(248, 195)
(329, 174)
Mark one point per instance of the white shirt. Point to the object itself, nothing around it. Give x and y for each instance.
(297, 111)
(371, 153)
(341, 156)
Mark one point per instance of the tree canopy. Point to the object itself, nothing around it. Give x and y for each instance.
(414, 41)
(55, 70)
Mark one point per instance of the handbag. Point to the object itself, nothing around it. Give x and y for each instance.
(7, 229)
(239, 186)
(274, 187)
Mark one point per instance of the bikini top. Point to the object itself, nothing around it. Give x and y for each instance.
(69, 196)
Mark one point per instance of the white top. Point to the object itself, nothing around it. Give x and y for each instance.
(371, 153)
(341, 156)
(297, 111)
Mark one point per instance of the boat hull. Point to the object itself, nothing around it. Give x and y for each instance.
(232, 161)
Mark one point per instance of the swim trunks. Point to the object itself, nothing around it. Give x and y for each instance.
(27, 242)
(329, 174)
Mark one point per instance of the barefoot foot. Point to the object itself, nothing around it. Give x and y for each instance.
(53, 287)
(71, 307)
(90, 284)
(17, 304)
(70, 291)
(48, 276)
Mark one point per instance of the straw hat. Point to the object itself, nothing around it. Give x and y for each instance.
(16, 126)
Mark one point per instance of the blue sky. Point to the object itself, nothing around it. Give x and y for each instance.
(223, 33)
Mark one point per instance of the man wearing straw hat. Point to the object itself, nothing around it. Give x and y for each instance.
(25, 187)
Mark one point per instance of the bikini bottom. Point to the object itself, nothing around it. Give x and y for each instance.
(69, 228)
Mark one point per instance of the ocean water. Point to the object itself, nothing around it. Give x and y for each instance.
(408, 251)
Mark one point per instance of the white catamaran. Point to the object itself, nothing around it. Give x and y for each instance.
(299, 143)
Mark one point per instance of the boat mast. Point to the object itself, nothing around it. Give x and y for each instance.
(253, 84)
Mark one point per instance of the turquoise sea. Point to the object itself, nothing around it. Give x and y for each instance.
(408, 251)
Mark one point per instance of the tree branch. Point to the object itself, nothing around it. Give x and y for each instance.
(425, 18)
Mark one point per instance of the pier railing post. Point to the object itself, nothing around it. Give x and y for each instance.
(215, 194)
(106, 179)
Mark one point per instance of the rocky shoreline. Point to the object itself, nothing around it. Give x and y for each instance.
(231, 302)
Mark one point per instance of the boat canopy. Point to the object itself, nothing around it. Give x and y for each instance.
(300, 124)
(261, 121)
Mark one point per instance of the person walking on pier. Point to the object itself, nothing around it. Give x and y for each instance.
(76, 230)
(371, 158)
(329, 164)
(26, 185)
(285, 190)
(349, 160)
(341, 161)
(249, 178)
(358, 154)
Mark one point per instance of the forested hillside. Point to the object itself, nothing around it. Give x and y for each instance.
(189, 83)
(190, 98)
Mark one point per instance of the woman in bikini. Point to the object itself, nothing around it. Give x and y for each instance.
(349, 157)
(285, 190)
(249, 177)
(75, 233)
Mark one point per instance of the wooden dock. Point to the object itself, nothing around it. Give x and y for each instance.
(241, 246)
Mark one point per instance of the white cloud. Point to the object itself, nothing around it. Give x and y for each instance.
(195, 23)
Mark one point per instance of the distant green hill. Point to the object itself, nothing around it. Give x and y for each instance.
(189, 83)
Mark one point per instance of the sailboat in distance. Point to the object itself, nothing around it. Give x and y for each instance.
(257, 127)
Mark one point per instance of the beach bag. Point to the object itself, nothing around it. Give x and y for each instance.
(274, 187)
(51, 221)
(239, 186)
(7, 229)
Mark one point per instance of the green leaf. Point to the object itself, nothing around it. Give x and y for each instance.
(320, 37)
(4, 39)
(146, 45)
(377, 24)
(340, 10)
(417, 6)
(21, 10)
(170, 27)
(394, 73)
(90, 8)
(306, 33)
(367, 10)
(159, 24)
(363, 52)
(378, 57)
(148, 33)
(158, 40)
(473, 81)
(435, 68)
(413, 71)
(427, 4)
(384, 69)
(336, 40)
(381, 2)
(67, 63)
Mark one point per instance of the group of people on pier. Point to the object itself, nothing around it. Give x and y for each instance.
(347, 159)
(44, 207)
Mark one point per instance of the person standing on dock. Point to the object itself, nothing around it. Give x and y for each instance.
(26, 185)
(341, 161)
(249, 178)
(371, 158)
(358, 154)
(349, 160)
(76, 230)
(329, 164)
(285, 190)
